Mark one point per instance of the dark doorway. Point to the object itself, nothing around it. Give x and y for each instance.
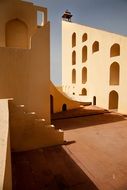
(51, 104)
(64, 107)
(94, 100)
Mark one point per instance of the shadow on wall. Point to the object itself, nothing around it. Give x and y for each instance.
(49, 168)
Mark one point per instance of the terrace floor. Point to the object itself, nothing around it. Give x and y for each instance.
(94, 156)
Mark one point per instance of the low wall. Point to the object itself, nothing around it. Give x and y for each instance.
(5, 156)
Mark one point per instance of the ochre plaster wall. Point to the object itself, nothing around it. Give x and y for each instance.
(24, 11)
(25, 72)
(28, 131)
(60, 98)
(97, 64)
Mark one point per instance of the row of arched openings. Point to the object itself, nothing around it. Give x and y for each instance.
(113, 100)
(84, 38)
(114, 50)
(84, 75)
(114, 74)
(95, 48)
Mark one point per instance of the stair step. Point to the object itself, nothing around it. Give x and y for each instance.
(31, 115)
(41, 120)
(50, 126)
(28, 131)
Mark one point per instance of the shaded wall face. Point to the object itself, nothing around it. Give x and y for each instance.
(16, 34)
(84, 75)
(73, 76)
(84, 54)
(73, 58)
(115, 50)
(114, 74)
(25, 73)
(74, 39)
(113, 100)
(84, 37)
(84, 92)
(39, 77)
(12, 11)
(95, 47)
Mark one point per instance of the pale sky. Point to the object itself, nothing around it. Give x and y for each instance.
(109, 15)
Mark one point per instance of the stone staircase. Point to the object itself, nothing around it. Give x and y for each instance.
(28, 131)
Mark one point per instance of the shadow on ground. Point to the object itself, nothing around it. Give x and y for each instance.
(48, 169)
(79, 112)
(87, 121)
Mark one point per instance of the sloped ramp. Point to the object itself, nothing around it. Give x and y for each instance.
(59, 100)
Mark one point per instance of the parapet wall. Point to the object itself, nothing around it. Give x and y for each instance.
(5, 156)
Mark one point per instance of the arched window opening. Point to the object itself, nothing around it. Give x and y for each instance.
(84, 75)
(95, 47)
(94, 100)
(16, 34)
(115, 50)
(84, 92)
(84, 54)
(73, 76)
(73, 39)
(113, 100)
(84, 37)
(114, 73)
(64, 107)
(73, 58)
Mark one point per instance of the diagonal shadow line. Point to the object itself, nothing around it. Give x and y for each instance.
(48, 169)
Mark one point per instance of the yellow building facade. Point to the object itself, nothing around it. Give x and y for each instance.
(25, 119)
(94, 66)
(25, 56)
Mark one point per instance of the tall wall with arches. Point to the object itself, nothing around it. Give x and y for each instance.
(94, 66)
(25, 55)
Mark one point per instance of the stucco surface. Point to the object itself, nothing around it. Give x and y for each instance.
(60, 98)
(5, 157)
(97, 63)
